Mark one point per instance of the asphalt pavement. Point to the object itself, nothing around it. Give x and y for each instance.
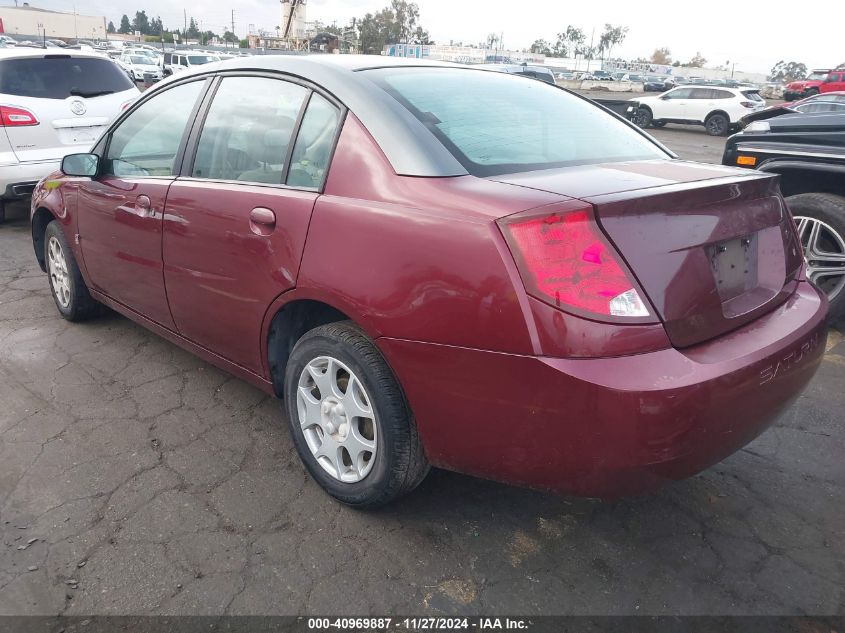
(137, 479)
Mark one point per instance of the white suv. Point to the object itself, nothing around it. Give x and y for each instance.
(717, 109)
(140, 62)
(52, 104)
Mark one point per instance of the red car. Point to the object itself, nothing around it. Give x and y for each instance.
(436, 265)
(812, 85)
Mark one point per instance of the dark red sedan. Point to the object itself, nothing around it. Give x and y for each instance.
(434, 265)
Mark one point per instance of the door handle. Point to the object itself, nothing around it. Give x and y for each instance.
(262, 221)
(144, 205)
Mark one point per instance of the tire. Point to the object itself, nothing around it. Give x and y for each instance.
(642, 117)
(658, 124)
(811, 92)
(69, 291)
(788, 96)
(319, 417)
(717, 125)
(2, 211)
(829, 211)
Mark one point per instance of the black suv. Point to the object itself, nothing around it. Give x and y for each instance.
(808, 151)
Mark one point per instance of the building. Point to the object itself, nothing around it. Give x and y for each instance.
(462, 54)
(32, 22)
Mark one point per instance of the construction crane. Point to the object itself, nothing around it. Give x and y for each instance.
(294, 6)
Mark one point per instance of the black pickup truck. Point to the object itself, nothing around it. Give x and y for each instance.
(808, 151)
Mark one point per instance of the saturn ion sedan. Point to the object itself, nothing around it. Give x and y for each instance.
(433, 265)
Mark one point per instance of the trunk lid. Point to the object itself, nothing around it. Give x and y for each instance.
(712, 247)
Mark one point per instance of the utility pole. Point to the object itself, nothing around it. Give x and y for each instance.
(233, 26)
(185, 32)
(590, 58)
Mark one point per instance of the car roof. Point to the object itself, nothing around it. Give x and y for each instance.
(409, 146)
(23, 53)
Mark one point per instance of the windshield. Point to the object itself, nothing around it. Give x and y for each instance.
(140, 59)
(754, 95)
(61, 77)
(199, 60)
(496, 123)
(817, 77)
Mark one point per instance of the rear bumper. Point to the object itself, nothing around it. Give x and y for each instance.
(17, 181)
(612, 426)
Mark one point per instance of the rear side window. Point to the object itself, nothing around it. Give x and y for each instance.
(311, 154)
(681, 93)
(494, 123)
(722, 94)
(60, 77)
(248, 130)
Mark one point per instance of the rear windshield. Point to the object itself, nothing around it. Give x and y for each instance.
(199, 60)
(61, 77)
(495, 123)
(754, 95)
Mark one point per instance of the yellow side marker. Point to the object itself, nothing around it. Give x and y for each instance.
(748, 161)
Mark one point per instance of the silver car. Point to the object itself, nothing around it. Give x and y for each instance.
(52, 103)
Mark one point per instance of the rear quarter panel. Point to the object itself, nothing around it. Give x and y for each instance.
(416, 258)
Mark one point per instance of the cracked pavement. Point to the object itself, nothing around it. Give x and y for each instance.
(137, 479)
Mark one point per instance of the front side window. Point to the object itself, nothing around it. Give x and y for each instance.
(146, 143)
(494, 123)
(248, 130)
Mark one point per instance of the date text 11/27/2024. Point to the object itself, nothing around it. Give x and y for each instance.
(418, 624)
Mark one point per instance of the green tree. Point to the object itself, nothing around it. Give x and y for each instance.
(576, 39)
(561, 47)
(541, 47)
(395, 24)
(612, 36)
(141, 23)
(193, 29)
(111, 28)
(788, 71)
(697, 62)
(125, 26)
(156, 26)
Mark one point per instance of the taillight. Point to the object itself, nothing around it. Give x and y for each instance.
(748, 104)
(12, 116)
(565, 260)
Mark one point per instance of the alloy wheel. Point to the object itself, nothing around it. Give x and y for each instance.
(337, 419)
(57, 267)
(716, 126)
(824, 253)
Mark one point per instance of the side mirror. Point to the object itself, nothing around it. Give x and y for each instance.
(81, 165)
(665, 98)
